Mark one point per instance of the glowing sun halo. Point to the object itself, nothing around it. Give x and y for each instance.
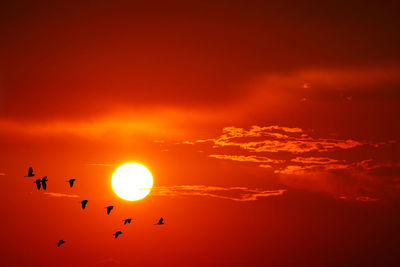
(132, 181)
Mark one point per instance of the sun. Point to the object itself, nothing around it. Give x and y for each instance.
(132, 181)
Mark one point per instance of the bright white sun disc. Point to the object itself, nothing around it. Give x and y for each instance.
(132, 181)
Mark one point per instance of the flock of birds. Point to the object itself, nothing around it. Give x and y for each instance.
(42, 183)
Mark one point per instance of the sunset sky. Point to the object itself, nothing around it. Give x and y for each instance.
(271, 129)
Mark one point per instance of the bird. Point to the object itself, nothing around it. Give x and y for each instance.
(30, 172)
(116, 234)
(38, 183)
(160, 222)
(60, 243)
(127, 221)
(84, 202)
(71, 182)
(109, 208)
(44, 180)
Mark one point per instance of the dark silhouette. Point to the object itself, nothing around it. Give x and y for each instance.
(30, 172)
(84, 203)
(44, 180)
(116, 234)
(109, 208)
(127, 221)
(60, 243)
(71, 182)
(38, 183)
(160, 222)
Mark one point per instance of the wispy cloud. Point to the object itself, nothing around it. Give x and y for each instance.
(230, 193)
(264, 139)
(246, 158)
(304, 169)
(314, 160)
(358, 198)
(300, 159)
(2, 174)
(53, 194)
(276, 139)
(101, 164)
(366, 199)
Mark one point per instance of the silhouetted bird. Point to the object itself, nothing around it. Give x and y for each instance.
(127, 221)
(109, 208)
(44, 180)
(38, 183)
(71, 182)
(117, 234)
(161, 221)
(30, 172)
(84, 202)
(60, 243)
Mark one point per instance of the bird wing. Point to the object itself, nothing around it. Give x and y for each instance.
(160, 221)
(44, 185)
(37, 184)
(30, 171)
(71, 182)
(83, 204)
(109, 208)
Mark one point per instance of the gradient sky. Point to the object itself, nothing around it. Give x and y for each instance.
(271, 129)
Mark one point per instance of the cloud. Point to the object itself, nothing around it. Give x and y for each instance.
(230, 193)
(277, 139)
(246, 158)
(300, 159)
(299, 170)
(101, 164)
(314, 160)
(366, 199)
(265, 166)
(52, 194)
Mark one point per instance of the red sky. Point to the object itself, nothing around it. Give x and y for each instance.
(270, 127)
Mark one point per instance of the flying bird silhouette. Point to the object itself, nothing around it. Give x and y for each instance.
(38, 183)
(116, 234)
(160, 222)
(44, 180)
(109, 208)
(84, 203)
(60, 243)
(71, 182)
(127, 221)
(30, 172)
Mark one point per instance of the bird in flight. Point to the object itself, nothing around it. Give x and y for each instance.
(71, 182)
(160, 222)
(41, 182)
(30, 172)
(44, 180)
(84, 202)
(116, 234)
(109, 208)
(60, 243)
(127, 221)
(38, 183)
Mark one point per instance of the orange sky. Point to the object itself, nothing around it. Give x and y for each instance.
(271, 130)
